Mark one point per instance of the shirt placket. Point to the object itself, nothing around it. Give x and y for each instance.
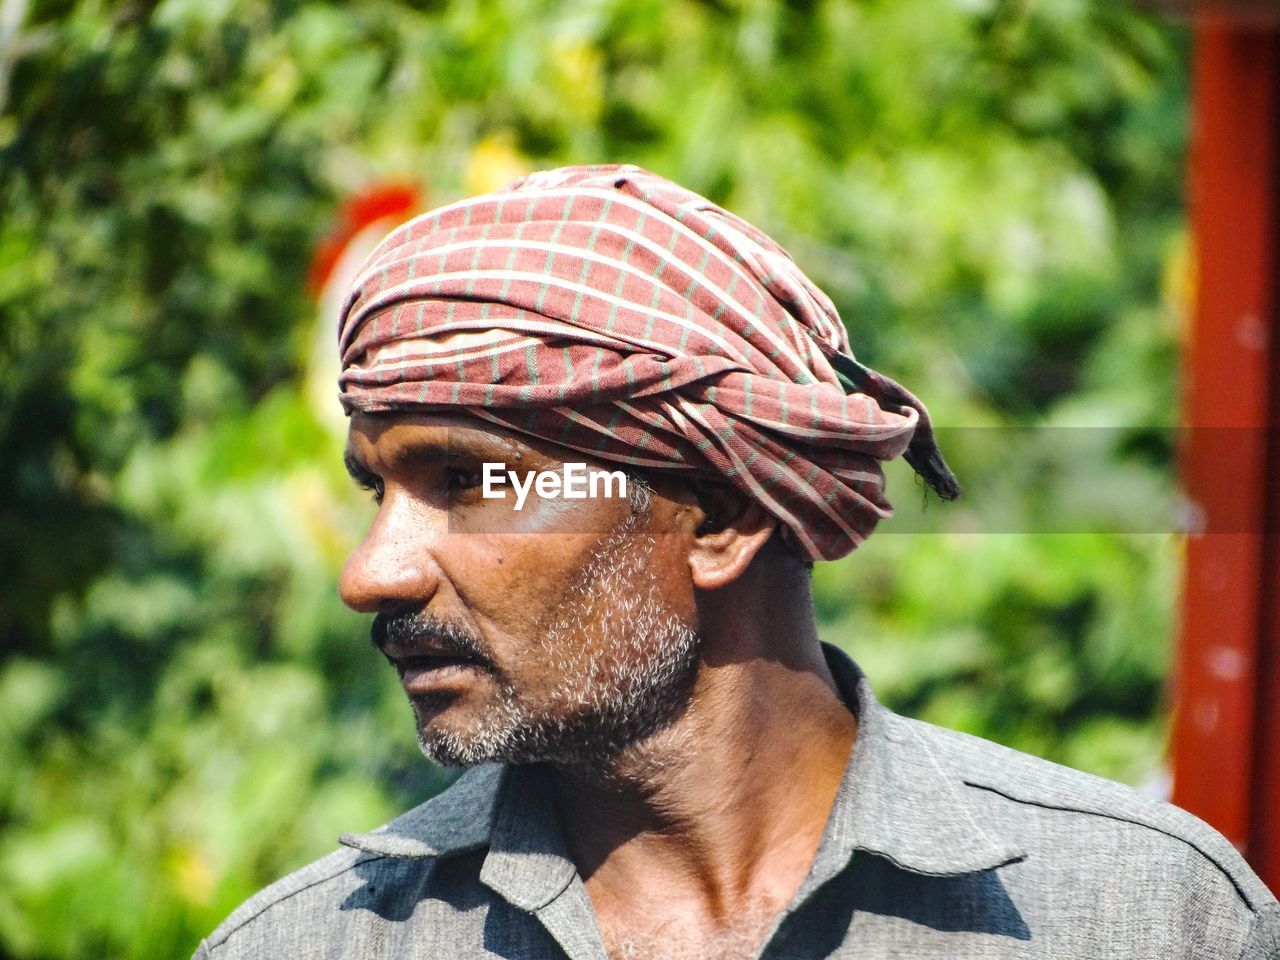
(529, 866)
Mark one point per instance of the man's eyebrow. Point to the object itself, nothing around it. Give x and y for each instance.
(433, 451)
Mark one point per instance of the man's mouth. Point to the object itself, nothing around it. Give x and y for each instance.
(428, 654)
(427, 672)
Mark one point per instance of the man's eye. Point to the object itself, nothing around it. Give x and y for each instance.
(364, 478)
(459, 479)
(369, 481)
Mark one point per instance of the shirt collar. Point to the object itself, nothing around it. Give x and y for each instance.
(455, 821)
(899, 799)
(510, 810)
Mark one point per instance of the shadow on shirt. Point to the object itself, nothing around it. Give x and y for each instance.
(850, 906)
(447, 897)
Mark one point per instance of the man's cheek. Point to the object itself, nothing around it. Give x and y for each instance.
(521, 582)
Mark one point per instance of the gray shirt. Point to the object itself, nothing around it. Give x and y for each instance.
(938, 845)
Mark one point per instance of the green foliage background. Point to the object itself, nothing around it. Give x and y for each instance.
(990, 189)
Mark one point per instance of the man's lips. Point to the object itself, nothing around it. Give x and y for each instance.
(424, 671)
(429, 653)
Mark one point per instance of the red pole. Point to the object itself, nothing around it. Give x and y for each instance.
(1227, 721)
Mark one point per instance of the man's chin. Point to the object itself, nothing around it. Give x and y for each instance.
(451, 735)
(584, 742)
(450, 749)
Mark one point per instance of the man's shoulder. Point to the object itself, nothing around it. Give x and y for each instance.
(302, 891)
(1093, 856)
(297, 912)
(1115, 826)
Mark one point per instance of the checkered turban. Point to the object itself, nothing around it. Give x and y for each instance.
(612, 312)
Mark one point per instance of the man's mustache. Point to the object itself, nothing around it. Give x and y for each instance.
(414, 631)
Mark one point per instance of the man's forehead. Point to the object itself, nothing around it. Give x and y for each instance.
(390, 437)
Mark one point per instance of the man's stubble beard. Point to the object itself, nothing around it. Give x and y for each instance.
(610, 696)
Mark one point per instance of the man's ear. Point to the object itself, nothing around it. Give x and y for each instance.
(730, 533)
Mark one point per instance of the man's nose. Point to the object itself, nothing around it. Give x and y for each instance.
(395, 567)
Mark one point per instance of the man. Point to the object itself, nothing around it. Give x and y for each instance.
(665, 760)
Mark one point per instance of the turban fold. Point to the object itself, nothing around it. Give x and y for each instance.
(610, 311)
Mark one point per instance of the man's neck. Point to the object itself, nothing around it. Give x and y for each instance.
(718, 816)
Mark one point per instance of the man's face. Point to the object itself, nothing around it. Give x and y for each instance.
(562, 631)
